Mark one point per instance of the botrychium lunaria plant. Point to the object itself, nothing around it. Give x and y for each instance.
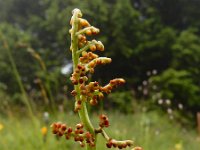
(84, 62)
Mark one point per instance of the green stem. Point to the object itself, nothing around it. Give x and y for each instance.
(83, 113)
(105, 135)
(86, 47)
(47, 83)
(18, 78)
(48, 88)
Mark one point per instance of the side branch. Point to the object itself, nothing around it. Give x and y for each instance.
(112, 142)
(85, 30)
(92, 45)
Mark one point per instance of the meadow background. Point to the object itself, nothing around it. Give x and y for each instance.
(154, 45)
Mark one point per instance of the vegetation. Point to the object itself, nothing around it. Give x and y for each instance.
(154, 46)
(84, 63)
(149, 130)
(148, 38)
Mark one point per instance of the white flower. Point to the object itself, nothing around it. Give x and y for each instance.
(154, 72)
(46, 115)
(145, 91)
(148, 73)
(171, 117)
(180, 106)
(169, 111)
(168, 102)
(139, 88)
(144, 82)
(160, 101)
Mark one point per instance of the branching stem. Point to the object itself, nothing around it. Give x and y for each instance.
(83, 113)
(85, 29)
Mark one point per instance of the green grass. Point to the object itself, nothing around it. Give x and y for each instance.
(151, 130)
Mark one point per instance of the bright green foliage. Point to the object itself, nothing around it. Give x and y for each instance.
(186, 53)
(150, 130)
(179, 87)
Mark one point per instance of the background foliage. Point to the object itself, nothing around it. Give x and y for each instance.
(139, 35)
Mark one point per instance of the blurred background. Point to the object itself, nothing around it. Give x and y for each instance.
(154, 45)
